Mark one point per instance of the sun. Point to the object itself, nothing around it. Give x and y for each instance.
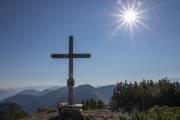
(130, 17)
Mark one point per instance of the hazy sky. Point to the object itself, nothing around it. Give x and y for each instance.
(30, 30)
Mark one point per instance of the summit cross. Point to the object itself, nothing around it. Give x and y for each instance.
(70, 56)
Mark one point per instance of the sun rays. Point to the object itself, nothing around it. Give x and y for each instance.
(129, 17)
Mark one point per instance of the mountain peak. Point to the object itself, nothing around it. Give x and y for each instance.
(85, 86)
(29, 92)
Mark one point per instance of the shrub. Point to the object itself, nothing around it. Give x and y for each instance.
(145, 94)
(13, 112)
(93, 104)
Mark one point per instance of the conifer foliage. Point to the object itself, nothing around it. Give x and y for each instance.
(142, 96)
(93, 104)
(12, 111)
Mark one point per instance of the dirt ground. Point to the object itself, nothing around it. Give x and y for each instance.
(51, 114)
(101, 114)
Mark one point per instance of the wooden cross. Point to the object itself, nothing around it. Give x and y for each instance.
(70, 56)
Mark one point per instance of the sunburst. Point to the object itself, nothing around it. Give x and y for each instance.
(130, 16)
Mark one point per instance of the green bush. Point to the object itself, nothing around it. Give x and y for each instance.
(13, 112)
(164, 113)
(145, 94)
(156, 113)
(93, 104)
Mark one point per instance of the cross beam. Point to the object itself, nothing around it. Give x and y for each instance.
(70, 56)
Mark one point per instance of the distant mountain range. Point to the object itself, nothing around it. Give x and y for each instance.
(7, 93)
(32, 99)
(4, 93)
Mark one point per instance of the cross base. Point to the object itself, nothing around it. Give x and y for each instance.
(69, 112)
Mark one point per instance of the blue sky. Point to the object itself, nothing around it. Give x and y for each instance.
(30, 30)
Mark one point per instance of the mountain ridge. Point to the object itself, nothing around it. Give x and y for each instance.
(31, 102)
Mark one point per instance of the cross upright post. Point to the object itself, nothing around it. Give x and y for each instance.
(70, 56)
(70, 81)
